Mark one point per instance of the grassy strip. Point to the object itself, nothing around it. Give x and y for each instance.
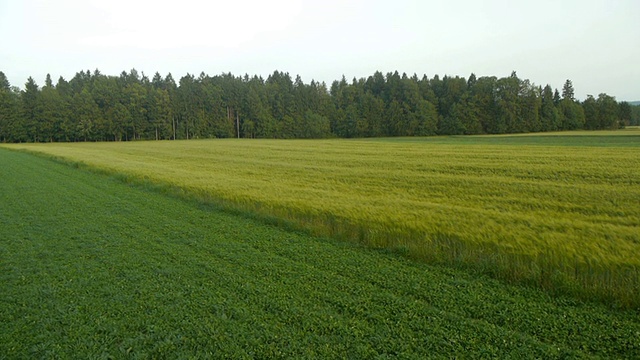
(561, 217)
(91, 268)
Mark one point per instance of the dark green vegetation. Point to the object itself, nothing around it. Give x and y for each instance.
(97, 107)
(635, 115)
(90, 268)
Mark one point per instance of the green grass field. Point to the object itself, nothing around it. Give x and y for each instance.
(93, 268)
(560, 211)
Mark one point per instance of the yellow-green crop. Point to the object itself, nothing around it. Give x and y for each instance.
(562, 211)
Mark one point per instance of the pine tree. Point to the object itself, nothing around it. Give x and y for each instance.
(47, 82)
(136, 96)
(590, 108)
(567, 90)
(549, 117)
(373, 110)
(4, 82)
(10, 123)
(86, 114)
(30, 109)
(556, 97)
(484, 98)
(572, 114)
(52, 112)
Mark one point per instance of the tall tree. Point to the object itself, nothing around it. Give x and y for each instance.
(119, 116)
(463, 119)
(159, 113)
(590, 108)
(529, 103)
(508, 107)
(31, 109)
(556, 97)
(451, 91)
(86, 114)
(572, 114)
(373, 110)
(608, 114)
(52, 112)
(625, 113)
(315, 126)
(635, 115)
(426, 116)
(567, 90)
(394, 116)
(10, 124)
(136, 96)
(549, 116)
(484, 94)
(4, 82)
(376, 84)
(259, 121)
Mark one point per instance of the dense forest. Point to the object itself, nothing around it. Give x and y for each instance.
(98, 107)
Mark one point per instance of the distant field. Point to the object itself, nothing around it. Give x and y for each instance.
(605, 138)
(91, 268)
(558, 210)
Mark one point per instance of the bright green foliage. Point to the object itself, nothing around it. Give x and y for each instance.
(91, 268)
(562, 212)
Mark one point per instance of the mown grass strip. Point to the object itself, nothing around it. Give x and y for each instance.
(92, 268)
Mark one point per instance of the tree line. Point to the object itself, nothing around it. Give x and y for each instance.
(97, 107)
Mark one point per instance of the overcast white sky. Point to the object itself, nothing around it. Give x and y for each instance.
(595, 43)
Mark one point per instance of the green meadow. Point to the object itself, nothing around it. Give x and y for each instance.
(91, 267)
(558, 211)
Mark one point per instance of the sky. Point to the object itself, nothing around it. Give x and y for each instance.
(594, 43)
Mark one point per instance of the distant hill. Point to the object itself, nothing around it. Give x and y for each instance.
(635, 103)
